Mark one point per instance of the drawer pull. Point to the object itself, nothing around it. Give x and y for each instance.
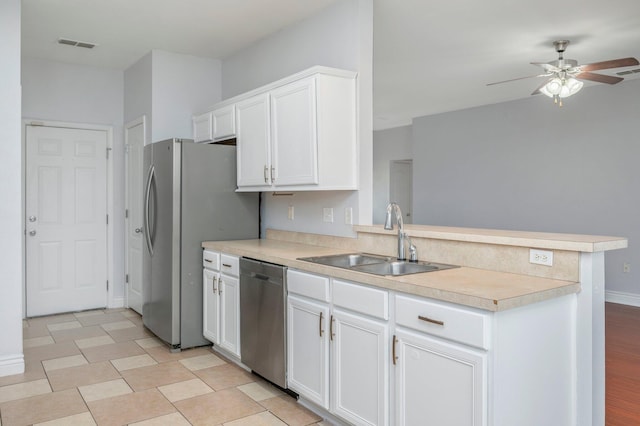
(208, 260)
(331, 334)
(320, 325)
(393, 349)
(432, 321)
(226, 265)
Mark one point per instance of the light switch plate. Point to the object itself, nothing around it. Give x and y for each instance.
(327, 214)
(541, 257)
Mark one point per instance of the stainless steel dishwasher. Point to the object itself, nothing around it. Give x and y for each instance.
(263, 319)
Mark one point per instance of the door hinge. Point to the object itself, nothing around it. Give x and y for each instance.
(107, 285)
(108, 149)
(126, 149)
(107, 219)
(126, 278)
(126, 213)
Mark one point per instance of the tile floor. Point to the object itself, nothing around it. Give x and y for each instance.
(103, 367)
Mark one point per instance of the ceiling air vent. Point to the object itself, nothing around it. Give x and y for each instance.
(76, 43)
(636, 71)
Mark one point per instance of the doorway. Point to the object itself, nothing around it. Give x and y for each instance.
(401, 187)
(65, 219)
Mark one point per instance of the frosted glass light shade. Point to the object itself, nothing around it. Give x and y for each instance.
(561, 87)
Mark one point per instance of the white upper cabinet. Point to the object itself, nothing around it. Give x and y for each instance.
(202, 128)
(255, 149)
(216, 125)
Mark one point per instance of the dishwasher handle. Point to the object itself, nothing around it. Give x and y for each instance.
(259, 276)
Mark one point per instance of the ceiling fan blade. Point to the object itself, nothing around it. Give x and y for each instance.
(614, 63)
(550, 68)
(600, 78)
(519, 78)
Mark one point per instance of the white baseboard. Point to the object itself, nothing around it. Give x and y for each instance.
(12, 364)
(117, 303)
(631, 299)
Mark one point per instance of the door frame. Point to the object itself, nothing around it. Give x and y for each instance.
(133, 123)
(112, 302)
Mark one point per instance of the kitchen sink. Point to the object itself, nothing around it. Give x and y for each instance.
(377, 265)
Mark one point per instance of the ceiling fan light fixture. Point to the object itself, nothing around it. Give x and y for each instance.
(561, 87)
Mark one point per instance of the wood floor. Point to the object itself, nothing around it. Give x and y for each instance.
(622, 365)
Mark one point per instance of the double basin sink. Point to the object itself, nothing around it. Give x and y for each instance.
(377, 265)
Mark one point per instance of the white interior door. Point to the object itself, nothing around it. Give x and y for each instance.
(134, 140)
(66, 219)
(401, 187)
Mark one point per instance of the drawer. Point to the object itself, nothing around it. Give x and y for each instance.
(309, 285)
(230, 265)
(360, 298)
(211, 260)
(443, 320)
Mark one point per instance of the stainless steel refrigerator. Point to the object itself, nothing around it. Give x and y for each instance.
(189, 197)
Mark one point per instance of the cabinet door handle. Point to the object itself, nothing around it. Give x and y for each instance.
(331, 334)
(432, 321)
(215, 280)
(219, 286)
(393, 349)
(266, 178)
(320, 325)
(273, 171)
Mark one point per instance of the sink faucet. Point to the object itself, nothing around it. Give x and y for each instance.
(395, 208)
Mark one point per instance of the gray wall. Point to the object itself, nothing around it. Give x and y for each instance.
(388, 145)
(530, 165)
(339, 36)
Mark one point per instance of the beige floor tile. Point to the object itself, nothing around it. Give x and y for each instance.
(37, 341)
(260, 390)
(57, 350)
(218, 407)
(65, 362)
(104, 390)
(82, 419)
(130, 408)
(173, 419)
(33, 371)
(91, 342)
(149, 342)
(261, 419)
(131, 362)
(130, 314)
(288, 410)
(82, 375)
(77, 333)
(157, 375)
(119, 325)
(184, 390)
(110, 317)
(64, 326)
(112, 351)
(131, 333)
(88, 313)
(51, 319)
(36, 330)
(201, 362)
(24, 390)
(42, 408)
(163, 354)
(225, 376)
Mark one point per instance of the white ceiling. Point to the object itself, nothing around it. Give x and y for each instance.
(429, 56)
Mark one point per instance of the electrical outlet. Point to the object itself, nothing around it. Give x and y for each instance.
(541, 257)
(626, 267)
(348, 216)
(327, 214)
(290, 213)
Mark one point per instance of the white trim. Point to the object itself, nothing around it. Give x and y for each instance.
(117, 302)
(110, 302)
(12, 364)
(621, 297)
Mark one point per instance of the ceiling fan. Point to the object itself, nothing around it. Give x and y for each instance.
(564, 75)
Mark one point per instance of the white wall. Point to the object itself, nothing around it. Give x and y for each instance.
(388, 145)
(530, 165)
(11, 359)
(340, 36)
(137, 93)
(57, 91)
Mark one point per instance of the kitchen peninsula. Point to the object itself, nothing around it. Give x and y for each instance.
(528, 338)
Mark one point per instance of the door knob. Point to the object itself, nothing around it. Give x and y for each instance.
(32, 233)
(138, 230)
(32, 218)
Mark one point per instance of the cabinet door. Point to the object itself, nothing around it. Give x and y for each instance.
(202, 128)
(359, 363)
(211, 307)
(294, 134)
(438, 383)
(253, 141)
(224, 122)
(229, 295)
(308, 350)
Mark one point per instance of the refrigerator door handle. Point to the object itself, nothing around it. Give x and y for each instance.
(147, 200)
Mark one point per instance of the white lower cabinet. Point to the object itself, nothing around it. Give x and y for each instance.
(221, 301)
(338, 358)
(438, 383)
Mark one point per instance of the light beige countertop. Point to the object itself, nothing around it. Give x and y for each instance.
(478, 288)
